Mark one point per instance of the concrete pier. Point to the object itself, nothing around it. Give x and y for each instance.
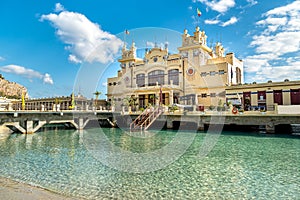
(30, 122)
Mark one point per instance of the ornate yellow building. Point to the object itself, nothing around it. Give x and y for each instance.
(196, 75)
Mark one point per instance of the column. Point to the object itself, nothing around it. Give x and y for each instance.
(269, 98)
(171, 97)
(169, 124)
(270, 128)
(200, 126)
(254, 100)
(80, 123)
(286, 97)
(29, 127)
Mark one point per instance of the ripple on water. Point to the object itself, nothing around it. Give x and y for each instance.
(239, 167)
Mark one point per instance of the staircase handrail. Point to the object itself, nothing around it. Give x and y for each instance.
(134, 121)
(153, 115)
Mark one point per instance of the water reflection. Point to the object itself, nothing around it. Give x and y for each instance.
(239, 166)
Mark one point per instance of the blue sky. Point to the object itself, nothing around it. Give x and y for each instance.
(49, 46)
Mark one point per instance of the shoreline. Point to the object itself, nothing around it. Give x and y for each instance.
(14, 190)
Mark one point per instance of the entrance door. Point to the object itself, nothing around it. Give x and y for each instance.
(151, 99)
(175, 98)
(278, 97)
(261, 95)
(247, 100)
(142, 101)
(295, 97)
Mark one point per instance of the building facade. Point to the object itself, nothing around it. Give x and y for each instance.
(264, 96)
(197, 74)
(77, 102)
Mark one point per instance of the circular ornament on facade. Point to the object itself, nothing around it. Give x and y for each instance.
(190, 71)
(126, 79)
(155, 59)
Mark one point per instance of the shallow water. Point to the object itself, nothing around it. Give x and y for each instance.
(239, 166)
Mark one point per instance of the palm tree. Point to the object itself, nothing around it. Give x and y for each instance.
(130, 102)
(97, 94)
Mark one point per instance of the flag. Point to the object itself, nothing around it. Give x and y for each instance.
(126, 32)
(23, 101)
(72, 106)
(199, 12)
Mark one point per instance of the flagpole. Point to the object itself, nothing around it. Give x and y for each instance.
(198, 14)
(126, 32)
(124, 38)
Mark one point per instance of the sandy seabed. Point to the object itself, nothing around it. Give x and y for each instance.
(12, 190)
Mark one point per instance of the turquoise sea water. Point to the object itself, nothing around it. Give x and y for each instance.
(240, 166)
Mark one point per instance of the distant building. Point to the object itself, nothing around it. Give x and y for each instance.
(196, 75)
(263, 96)
(61, 103)
(5, 104)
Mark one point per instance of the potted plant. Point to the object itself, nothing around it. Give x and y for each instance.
(211, 107)
(173, 108)
(241, 111)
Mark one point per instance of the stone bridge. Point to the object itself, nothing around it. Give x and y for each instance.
(31, 121)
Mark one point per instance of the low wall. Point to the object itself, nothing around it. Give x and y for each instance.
(4, 130)
(288, 109)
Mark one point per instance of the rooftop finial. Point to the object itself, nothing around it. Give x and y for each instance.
(185, 31)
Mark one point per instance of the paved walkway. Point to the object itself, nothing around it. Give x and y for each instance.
(12, 190)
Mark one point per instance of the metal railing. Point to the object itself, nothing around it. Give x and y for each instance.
(144, 120)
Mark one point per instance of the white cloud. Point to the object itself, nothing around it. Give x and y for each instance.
(216, 20)
(159, 45)
(211, 21)
(231, 21)
(292, 8)
(27, 73)
(59, 7)
(279, 37)
(47, 79)
(1, 58)
(74, 59)
(190, 8)
(279, 43)
(252, 2)
(150, 44)
(85, 39)
(220, 6)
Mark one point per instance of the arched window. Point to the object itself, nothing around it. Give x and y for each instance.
(140, 80)
(238, 76)
(156, 76)
(173, 75)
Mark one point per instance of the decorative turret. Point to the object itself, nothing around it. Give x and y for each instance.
(219, 50)
(129, 54)
(199, 37)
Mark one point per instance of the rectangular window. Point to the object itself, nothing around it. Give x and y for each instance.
(156, 76)
(221, 72)
(203, 95)
(173, 75)
(203, 74)
(140, 80)
(212, 73)
(213, 95)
